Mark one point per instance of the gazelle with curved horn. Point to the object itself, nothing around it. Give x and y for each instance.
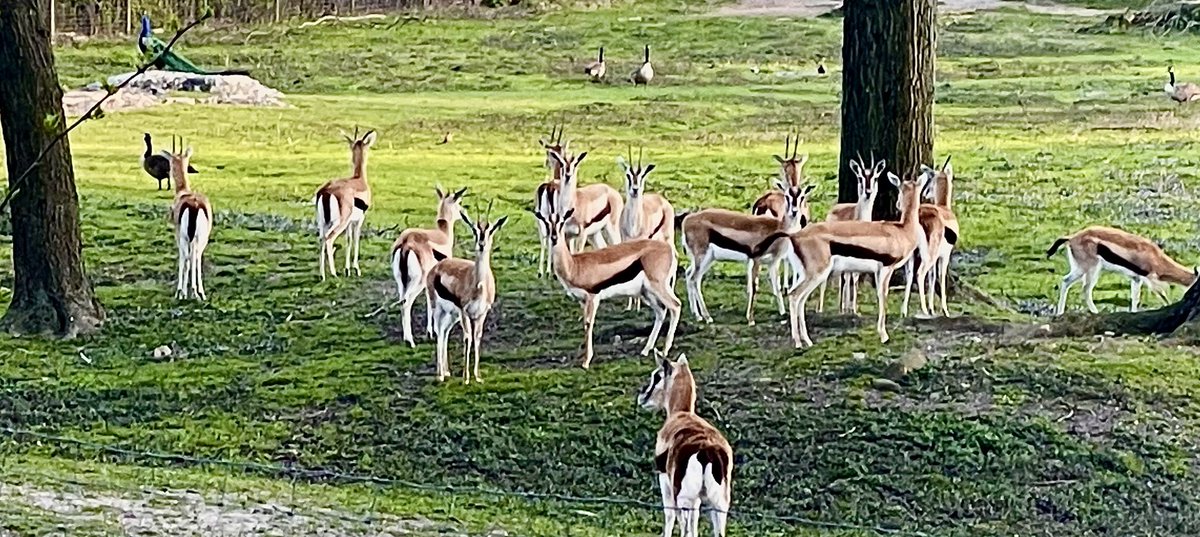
(645, 216)
(464, 291)
(342, 206)
(692, 459)
(1096, 248)
(877, 248)
(1182, 92)
(546, 195)
(192, 215)
(713, 235)
(940, 226)
(641, 267)
(867, 181)
(596, 208)
(415, 253)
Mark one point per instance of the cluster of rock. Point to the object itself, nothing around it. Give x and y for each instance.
(159, 87)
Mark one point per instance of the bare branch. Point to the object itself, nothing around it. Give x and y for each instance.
(15, 185)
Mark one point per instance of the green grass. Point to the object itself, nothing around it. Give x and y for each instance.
(1050, 130)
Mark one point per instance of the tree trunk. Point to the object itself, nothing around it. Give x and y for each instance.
(1181, 319)
(887, 91)
(51, 291)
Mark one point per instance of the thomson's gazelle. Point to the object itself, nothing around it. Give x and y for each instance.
(1134, 257)
(867, 181)
(342, 206)
(462, 290)
(416, 251)
(597, 208)
(546, 195)
(646, 216)
(640, 267)
(941, 234)
(192, 215)
(877, 248)
(693, 460)
(713, 235)
(791, 173)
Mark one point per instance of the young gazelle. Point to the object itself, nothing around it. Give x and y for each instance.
(463, 291)
(546, 195)
(1134, 257)
(941, 234)
(192, 215)
(416, 251)
(868, 187)
(342, 206)
(597, 208)
(878, 248)
(713, 235)
(640, 267)
(646, 216)
(693, 460)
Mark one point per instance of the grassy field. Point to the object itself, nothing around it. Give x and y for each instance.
(1000, 434)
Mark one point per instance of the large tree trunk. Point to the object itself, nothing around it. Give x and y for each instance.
(887, 91)
(1181, 319)
(51, 292)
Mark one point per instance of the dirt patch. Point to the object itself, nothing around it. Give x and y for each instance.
(813, 8)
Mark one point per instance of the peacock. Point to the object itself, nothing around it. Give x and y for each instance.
(151, 46)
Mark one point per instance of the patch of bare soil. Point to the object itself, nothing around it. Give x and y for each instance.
(187, 513)
(813, 8)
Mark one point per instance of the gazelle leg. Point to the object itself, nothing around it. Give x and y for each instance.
(475, 345)
(705, 264)
(1135, 294)
(908, 281)
(468, 331)
(751, 286)
(200, 273)
(666, 296)
(357, 242)
(589, 321)
(180, 280)
(773, 275)
(660, 314)
(668, 499)
(1090, 279)
(882, 276)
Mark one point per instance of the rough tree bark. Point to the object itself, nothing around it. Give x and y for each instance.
(887, 91)
(1181, 319)
(51, 291)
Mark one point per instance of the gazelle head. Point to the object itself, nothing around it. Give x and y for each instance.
(910, 190)
(358, 146)
(656, 395)
(791, 167)
(483, 232)
(635, 176)
(938, 182)
(555, 145)
(179, 156)
(450, 204)
(556, 223)
(868, 178)
(569, 166)
(795, 199)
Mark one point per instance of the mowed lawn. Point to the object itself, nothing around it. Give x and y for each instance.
(1001, 433)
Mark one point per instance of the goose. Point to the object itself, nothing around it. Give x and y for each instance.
(596, 69)
(821, 65)
(645, 73)
(1181, 93)
(158, 165)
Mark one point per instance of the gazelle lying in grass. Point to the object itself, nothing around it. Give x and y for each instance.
(1136, 258)
(342, 206)
(693, 460)
(940, 226)
(546, 195)
(192, 215)
(867, 181)
(877, 248)
(596, 208)
(645, 216)
(463, 291)
(639, 267)
(713, 235)
(416, 251)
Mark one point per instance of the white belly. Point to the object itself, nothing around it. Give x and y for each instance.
(855, 265)
(631, 288)
(1119, 270)
(357, 215)
(721, 254)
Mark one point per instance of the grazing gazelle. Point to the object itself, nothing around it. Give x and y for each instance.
(878, 248)
(646, 216)
(464, 291)
(640, 267)
(941, 234)
(597, 208)
(192, 215)
(416, 251)
(596, 69)
(1184, 92)
(693, 460)
(713, 235)
(1129, 255)
(868, 187)
(342, 206)
(546, 195)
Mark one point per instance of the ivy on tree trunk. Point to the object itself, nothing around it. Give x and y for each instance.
(887, 91)
(51, 291)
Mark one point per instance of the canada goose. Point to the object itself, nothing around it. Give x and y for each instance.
(1181, 93)
(158, 166)
(597, 68)
(645, 73)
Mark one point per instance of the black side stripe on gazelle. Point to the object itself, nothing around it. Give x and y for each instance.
(437, 255)
(657, 228)
(444, 293)
(601, 215)
(626, 275)
(721, 241)
(855, 251)
(1112, 258)
(361, 205)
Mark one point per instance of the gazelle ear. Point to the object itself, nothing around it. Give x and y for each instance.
(557, 158)
(499, 223)
(349, 140)
(682, 360)
(926, 169)
(544, 143)
(440, 194)
(187, 153)
(567, 215)
(458, 195)
(466, 219)
(660, 359)
(948, 170)
(894, 179)
(803, 161)
(781, 185)
(649, 168)
(778, 159)
(855, 167)
(808, 189)
(579, 158)
(368, 139)
(880, 166)
(624, 165)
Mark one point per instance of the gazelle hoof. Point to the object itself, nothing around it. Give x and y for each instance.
(750, 322)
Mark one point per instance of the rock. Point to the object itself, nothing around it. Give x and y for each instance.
(885, 385)
(155, 87)
(161, 352)
(859, 356)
